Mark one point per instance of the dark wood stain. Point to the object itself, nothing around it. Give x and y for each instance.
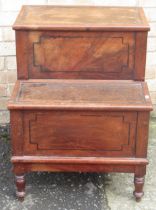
(80, 102)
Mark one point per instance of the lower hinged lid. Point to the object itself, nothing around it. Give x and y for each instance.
(80, 94)
(79, 118)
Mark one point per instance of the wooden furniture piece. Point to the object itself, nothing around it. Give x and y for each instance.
(80, 102)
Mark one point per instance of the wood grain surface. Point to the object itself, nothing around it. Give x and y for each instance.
(80, 102)
(81, 55)
(80, 94)
(81, 18)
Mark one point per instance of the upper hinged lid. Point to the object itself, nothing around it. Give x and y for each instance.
(81, 18)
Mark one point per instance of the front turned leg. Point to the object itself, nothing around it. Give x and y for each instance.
(139, 183)
(20, 185)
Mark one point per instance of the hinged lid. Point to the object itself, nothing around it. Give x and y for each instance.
(81, 18)
(80, 94)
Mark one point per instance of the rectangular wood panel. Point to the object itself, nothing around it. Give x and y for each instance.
(80, 133)
(81, 55)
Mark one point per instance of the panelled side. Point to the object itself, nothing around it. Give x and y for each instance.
(16, 123)
(142, 134)
(140, 56)
(22, 54)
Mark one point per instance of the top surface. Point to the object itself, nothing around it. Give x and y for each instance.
(80, 94)
(81, 18)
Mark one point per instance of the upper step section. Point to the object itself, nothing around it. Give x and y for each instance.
(81, 18)
(54, 42)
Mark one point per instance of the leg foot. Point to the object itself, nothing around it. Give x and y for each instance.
(139, 183)
(20, 185)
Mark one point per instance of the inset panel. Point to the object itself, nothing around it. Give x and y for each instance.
(80, 133)
(81, 55)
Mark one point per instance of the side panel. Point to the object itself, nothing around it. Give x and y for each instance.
(22, 54)
(140, 56)
(17, 128)
(142, 134)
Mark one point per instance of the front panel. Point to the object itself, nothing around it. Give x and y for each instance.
(79, 133)
(78, 55)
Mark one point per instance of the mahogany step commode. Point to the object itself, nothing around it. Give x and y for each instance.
(80, 102)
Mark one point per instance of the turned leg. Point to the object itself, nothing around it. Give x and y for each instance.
(20, 185)
(139, 183)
